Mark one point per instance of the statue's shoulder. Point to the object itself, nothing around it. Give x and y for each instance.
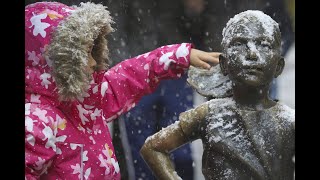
(221, 103)
(285, 112)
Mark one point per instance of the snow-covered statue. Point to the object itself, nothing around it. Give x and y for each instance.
(245, 134)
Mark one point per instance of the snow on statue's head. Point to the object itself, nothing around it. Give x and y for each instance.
(251, 40)
(249, 22)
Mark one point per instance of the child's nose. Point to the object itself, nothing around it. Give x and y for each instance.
(92, 61)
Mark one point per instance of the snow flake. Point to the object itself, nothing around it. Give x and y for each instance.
(96, 113)
(29, 124)
(82, 111)
(87, 173)
(44, 77)
(76, 169)
(27, 108)
(115, 165)
(104, 88)
(39, 27)
(91, 138)
(96, 129)
(182, 51)
(84, 156)
(74, 146)
(41, 114)
(103, 163)
(33, 57)
(40, 163)
(35, 98)
(164, 59)
(95, 89)
(52, 138)
(30, 139)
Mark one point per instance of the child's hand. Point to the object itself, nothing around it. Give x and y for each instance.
(200, 58)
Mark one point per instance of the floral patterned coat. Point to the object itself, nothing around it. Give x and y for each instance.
(70, 139)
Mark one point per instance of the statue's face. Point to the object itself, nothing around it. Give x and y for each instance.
(252, 55)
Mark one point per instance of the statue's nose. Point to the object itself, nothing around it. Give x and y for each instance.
(252, 55)
(251, 52)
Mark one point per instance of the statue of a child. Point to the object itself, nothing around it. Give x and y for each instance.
(245, 135)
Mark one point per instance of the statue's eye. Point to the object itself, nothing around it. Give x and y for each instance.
(265, 44)
(237, 43)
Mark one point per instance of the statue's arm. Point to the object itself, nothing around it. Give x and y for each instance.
(157, 147)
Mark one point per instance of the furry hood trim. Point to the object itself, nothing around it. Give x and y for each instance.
(86, 26)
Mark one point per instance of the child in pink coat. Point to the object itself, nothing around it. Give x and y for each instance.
(70, 95)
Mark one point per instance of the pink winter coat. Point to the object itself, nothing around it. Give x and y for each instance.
(70, 139)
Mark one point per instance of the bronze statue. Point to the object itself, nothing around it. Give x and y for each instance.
(245, 134)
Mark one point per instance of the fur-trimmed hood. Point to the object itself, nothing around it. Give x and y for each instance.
(57, 38)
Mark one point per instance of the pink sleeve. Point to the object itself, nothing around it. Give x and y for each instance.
(123, 85)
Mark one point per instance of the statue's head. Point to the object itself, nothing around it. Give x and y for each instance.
(251, 49)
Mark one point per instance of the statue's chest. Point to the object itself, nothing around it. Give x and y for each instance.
(246, 135)
(240, 128)
(225, 126)
(243, 141)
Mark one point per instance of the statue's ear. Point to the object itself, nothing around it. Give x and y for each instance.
(223, 64)
(280, 67)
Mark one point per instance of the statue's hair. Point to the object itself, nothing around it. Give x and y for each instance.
(271, 27)
(86, 26)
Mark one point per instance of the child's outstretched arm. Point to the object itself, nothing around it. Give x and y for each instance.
(124, 85)
(157, 147)
(203, 59)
